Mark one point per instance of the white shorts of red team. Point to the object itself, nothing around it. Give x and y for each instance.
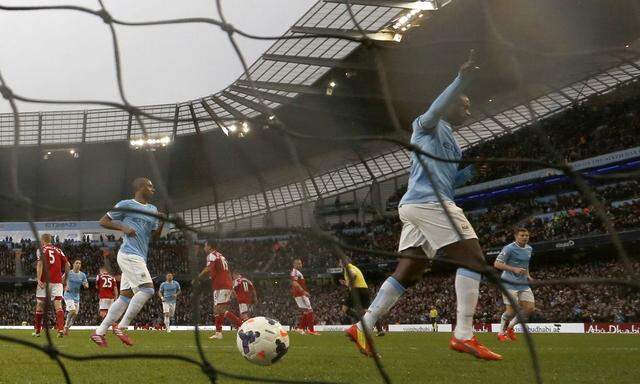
(427, 226)
(105, 303)
(55, 290)
(169, 308)
(134, 271)
(303, 302)
(72, 305)
(519, 295)
(221, 296)
(245, 308)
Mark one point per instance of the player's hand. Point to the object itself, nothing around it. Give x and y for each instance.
(342, 282)
(529, 278)
(519, 271)
(40, 284)
(469, 67)
(129, 232)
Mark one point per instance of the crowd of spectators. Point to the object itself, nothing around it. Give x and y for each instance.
(558, 215)
(603, 124)
(583, 303)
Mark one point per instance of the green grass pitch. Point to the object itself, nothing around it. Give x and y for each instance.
(408, 357)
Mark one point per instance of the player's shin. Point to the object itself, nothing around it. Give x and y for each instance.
(137, 302)
(467, 292)
(167, 321)
(113, 314)
(59, 320)
(309, 321)
(387, 296)
(235, 319)
(37, 323)
(504, 319)
(70, 318)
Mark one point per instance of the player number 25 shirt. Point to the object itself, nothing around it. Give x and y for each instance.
(105, 283)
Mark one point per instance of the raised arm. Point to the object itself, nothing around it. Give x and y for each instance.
(429, 119)
(464, 175)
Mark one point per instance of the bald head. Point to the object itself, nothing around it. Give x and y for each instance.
(143, 189)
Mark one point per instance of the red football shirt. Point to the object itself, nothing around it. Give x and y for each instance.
(105, 283)
(244, 290)
(219, 271)
(54, 260)
(297, 276)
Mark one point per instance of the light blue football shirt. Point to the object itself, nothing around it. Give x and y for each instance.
(435, 136)
(143, 224)
(515, 256)
(169, 291)
(74, 283)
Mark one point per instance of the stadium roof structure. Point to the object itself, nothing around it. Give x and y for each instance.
(215, 178)
(288, 68)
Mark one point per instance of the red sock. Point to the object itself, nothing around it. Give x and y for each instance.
(219, 319)
(309, 321)
(60, 320)
(302, 324)
(37, 324)
(232, 316)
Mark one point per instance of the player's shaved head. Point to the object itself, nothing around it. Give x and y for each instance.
(140, 183)
(46, 238)
(143, 189)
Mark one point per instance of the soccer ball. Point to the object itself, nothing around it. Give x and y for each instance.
(262, 341)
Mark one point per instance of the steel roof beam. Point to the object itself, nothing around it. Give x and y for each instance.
(421, 5)
(227, 107)
(265, 95)
(249, 103)
(284, 87)
(348, 33)
(196, 124)
(317, 61)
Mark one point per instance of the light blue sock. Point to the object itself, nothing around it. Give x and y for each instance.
(387, 296)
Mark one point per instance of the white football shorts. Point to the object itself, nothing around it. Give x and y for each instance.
(519, 295)
(303, 302)
(427, 226)
(169, 307)
(134, 271)
(105, 303)
(55, 290)
(221, 296)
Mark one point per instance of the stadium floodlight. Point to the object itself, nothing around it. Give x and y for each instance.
(60, 152)
(232, 128)
(150, 142)
(245, 127)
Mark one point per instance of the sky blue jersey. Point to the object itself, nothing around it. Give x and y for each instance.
(143, 224)
(169, 290)
(516, 256)
(74, 283)
(435, 136)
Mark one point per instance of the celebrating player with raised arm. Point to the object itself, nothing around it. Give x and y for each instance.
(76, 279)
(301, 296)
(136, 286)
(218, 270)
(513, 261)
(168, 292)
(53, 259)
(426, 226)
